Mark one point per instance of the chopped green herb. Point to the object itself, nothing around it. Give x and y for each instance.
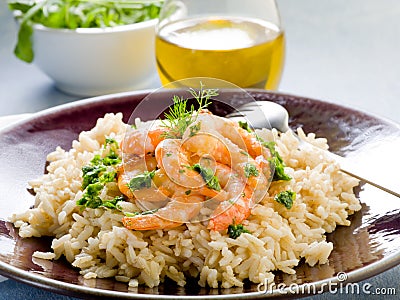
(112, 203)
(96, 171)
(188, 192)
(130, 215)
(234, 231)
(71, 14)
(208, 176)
(91, 197)
(169, 154)
(180, 117)
(111, 159)
(245, 126)
(141, 181)
(244, 153)
(97, 174)
(91, 174)
(143, 213)
(286, 198)
(250, 170)
(194, 129)
(276, 161)
(96, 160)
(149, 212)
(108, 177)
(111, 142)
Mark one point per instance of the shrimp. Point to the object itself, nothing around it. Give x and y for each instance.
(182, 207)
(209, 145)
(132, 167)
(162, 185)
(244, 164)
(178, 211)
(234, 159)
(231, 130)
(152, 197)
(138, 148)
(156, 194)
(229, 180)
(172, 158)
(238, 207)
(234, 211)
(144, 140)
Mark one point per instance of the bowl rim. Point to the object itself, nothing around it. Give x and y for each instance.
(98, 30)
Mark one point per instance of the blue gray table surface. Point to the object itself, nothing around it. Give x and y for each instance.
(342, 51)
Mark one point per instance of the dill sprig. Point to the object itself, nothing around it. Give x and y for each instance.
(180, 116)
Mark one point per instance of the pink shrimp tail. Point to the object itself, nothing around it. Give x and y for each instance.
(227, 214)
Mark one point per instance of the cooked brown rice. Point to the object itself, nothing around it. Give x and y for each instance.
(95, 241)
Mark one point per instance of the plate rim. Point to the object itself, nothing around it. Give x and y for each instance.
(60, 287)
(109, 97)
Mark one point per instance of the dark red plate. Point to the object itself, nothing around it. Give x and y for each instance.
(369, 246)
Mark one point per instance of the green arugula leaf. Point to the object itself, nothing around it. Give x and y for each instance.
(23, 50)
(71, 14)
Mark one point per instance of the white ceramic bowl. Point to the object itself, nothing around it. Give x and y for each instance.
(96, 61)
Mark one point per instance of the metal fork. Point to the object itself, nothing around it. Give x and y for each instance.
(267, 114)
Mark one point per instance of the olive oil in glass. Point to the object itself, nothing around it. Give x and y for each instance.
(248, 52)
